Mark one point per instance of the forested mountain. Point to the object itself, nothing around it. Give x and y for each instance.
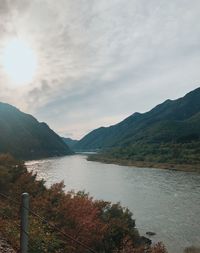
(70, 142)
(24, 137)
(170, 127)
(174, 120)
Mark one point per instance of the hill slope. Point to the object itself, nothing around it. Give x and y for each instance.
(172, 120)
(24, 137)
(168, 134)
(70, 142)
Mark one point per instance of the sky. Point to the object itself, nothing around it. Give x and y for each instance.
(100, 61)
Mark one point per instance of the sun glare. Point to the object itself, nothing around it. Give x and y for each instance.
(19, 62)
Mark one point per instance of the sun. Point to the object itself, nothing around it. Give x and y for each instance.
(19, 62)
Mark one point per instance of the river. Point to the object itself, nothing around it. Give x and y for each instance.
(163, 201)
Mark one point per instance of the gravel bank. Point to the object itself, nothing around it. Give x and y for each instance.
(5, 247)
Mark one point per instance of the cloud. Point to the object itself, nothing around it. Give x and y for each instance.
(100, 61)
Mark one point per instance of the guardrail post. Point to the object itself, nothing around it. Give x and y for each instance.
(24, 223)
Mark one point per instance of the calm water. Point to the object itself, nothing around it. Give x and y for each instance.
(165, 202)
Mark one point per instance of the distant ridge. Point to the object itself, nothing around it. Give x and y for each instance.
(169, 121)
(24, 137)
(70, 142)
(170, 132)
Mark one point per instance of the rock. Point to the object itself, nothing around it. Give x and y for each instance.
(150, 233)
(5, 247)
(145, 240)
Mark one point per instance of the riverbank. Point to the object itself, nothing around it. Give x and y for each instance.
(145, 164)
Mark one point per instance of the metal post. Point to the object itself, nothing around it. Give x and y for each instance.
(24, 223)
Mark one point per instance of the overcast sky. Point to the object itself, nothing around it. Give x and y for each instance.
(101, 60)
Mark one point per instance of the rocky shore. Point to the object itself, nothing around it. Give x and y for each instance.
(5, 247)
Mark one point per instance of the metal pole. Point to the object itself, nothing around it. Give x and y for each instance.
(24, 223)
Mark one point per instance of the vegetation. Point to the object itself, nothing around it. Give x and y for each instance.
(24, 137)
(180, 156)
(103, 226)
(70, 142)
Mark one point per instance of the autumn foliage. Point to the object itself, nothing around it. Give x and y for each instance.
(100, 225)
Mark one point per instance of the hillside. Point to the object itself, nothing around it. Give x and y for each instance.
(24, 137)
(154, 135)
(170, 121)
(70, 142)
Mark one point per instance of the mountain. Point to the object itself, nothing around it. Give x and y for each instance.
(172, 120)
(170, 127)
(70, 142)
(24, 137)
